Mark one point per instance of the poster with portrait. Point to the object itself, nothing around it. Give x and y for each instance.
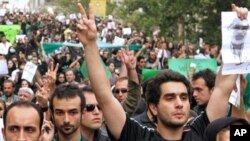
(235, 44)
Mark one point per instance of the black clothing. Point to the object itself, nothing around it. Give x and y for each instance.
(142, 107)
(144, 120)
(98, 136)
(133, 131)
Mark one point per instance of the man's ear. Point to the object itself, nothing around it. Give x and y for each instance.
(153, 108)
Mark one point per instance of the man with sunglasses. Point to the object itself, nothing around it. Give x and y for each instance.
(66, 105)
(121, 89)
(127, 89)
(92, 118)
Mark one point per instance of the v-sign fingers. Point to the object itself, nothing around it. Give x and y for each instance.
(38, 86)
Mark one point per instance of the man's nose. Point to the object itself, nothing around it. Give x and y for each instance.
(21, 136)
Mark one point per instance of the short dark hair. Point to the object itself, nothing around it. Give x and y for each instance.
(87, 89)
(139, 58)
(207, 75)
(9, 81)
(121, 79)
(67, 91)
(25, 104)
(153, 92)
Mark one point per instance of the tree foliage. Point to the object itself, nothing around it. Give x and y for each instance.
(179, 19)
(69, 6)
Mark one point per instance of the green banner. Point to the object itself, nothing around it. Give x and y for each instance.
(247, 94)
(135, 47)
(10, 31)
(84, 70)
(51, 47)
(181, 65)
(149, 73)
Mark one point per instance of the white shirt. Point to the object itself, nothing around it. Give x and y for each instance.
(4, 48)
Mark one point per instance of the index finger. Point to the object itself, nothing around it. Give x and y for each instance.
(51, 66)
(234, 7)
(56, 68)
(82, 10)
(38, 86)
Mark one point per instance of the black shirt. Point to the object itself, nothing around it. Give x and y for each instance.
(133, 131)
(144, 120)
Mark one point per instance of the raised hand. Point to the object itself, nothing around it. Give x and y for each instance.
(129, 59)
(42, 95)
(86, 27)
(242, 12)
(48, 131)
(52, 72)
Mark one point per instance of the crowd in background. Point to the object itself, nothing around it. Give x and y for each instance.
(152, 51)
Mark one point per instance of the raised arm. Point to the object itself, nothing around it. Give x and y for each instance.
(113, 112)
(224, 84)
(134, 89)
(218, 102)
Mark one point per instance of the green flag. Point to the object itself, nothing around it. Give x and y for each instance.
(135, 47)
(51, 47)
(10, 31)
(181, 65)
(149, 73)
(84, 70)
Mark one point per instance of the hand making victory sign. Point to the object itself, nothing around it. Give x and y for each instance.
(86, 26)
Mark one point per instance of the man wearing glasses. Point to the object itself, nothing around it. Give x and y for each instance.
(127, 89)
(92, 118)
(121, 89)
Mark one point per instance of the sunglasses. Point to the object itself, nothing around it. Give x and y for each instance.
(123, 90)
(91, 107)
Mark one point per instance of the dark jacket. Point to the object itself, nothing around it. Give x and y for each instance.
(134, 96)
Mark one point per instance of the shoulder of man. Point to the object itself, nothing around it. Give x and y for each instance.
(100, 136)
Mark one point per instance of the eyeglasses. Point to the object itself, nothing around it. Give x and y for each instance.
(91, 107)
(123, 90)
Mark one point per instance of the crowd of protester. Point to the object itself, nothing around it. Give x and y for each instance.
(82, 108)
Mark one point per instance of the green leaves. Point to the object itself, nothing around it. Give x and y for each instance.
(199, 18)
(69, 6)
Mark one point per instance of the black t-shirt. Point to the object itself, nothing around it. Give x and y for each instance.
(133, 131)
